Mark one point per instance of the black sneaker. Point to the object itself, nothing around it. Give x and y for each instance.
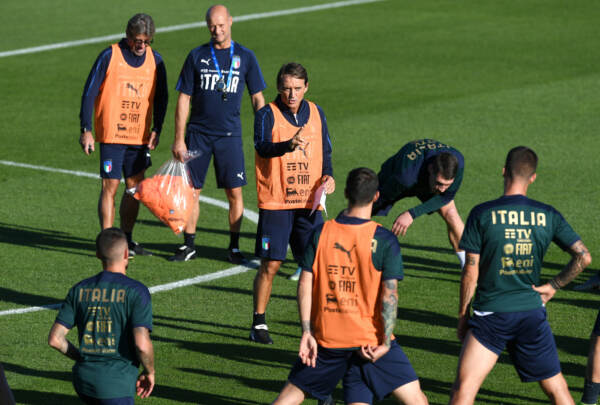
(328, 401)
(135, 249)
(260, 334)
(183, 254)
(236, 257)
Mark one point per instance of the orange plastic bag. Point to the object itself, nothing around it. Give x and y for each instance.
(169, 194)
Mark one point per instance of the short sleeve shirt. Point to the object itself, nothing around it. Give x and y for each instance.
(211, 114)
(511, 235)
(105, 309)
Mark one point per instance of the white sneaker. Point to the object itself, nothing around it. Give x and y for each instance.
(296, 275)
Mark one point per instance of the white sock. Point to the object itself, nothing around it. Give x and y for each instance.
(461, 258)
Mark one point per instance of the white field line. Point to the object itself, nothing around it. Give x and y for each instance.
(180, 27)
(251, 215)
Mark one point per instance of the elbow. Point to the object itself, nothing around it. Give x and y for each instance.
(587, 259)
(54, 341)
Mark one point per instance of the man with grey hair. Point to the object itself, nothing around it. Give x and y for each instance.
(126, 87)
(212, 81)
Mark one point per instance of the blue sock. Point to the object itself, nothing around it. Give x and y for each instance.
(590, 392)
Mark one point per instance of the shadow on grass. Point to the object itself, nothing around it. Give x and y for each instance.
(199, 230)
(57, 375)
(252, 353)
(243, 291)
(45, 239)
(427, 248)
(23, 298)
(426, 317)
(573, 345)
(259, 383)
(197, 397)
(579, 303)
(44, 398)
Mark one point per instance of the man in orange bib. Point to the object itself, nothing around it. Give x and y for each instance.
(347, 298)
(293, 159)
(126, 87)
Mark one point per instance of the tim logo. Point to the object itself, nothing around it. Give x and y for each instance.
(343, 249)
(290, 191)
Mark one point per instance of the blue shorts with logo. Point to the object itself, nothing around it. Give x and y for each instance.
(277, 228)
(527, 337)
(117, 159)
(229, 159)
(362, 380)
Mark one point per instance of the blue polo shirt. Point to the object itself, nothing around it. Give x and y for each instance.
(211, 115)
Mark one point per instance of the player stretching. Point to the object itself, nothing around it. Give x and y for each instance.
(347, 298)
(505, 241)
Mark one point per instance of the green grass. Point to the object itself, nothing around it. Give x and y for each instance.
(483, 76)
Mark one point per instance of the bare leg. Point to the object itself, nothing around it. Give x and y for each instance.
(454, 223)
(190, 226)
(289, 395)
(557, 390)
(106, 202)
(236, 208)
(263, 283)
(129, 208)
(474, 364)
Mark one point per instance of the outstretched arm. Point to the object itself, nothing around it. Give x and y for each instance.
(468, 283)
(57, 338)
(145, 353)
(580, 259)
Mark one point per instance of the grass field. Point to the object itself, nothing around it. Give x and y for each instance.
(482, 76)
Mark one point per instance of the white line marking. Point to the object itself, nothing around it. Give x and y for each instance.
(251, 215)
(248, 17)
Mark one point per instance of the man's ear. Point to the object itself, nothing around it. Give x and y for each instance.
(376, 196)
(532, 178)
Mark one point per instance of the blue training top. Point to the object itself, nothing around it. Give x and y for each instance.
(211, 114)
(98, 73)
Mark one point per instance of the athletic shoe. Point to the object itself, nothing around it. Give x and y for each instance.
(260, 334)
(236, 257)
(593, 282)
(135, 249)
(328, 401)
(183, 254)
(296, 275)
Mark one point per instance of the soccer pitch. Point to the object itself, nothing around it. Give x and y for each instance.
(482, 76)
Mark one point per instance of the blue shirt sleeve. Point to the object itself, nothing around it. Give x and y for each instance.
(254, 77)
(471, 237)
(307, 260)
(92, 87)
(66, 314)
(263, 129)
(185, 84)
(161, 94)
(386, 254)
(327, 166)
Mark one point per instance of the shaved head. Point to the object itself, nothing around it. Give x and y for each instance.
(217, 9)
(111, 244)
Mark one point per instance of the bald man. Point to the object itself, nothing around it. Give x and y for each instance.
(212, 80)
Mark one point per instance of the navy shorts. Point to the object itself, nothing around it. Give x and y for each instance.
(277, 228)
(111, 401)
(229, 159)
(362, 380)
(596, 330)
(527, 337)
(126, 159)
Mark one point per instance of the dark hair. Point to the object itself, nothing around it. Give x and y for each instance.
(292, 69)
(140, 24)
(110, 244)
(521, 161)
(361, 186)
(445, 164)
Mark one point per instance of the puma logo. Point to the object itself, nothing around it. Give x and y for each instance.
(207, 61)
(343, 249)
(130, 86)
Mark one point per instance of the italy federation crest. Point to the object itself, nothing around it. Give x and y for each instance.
(236, 62)
(265, 243)
(107, 166)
